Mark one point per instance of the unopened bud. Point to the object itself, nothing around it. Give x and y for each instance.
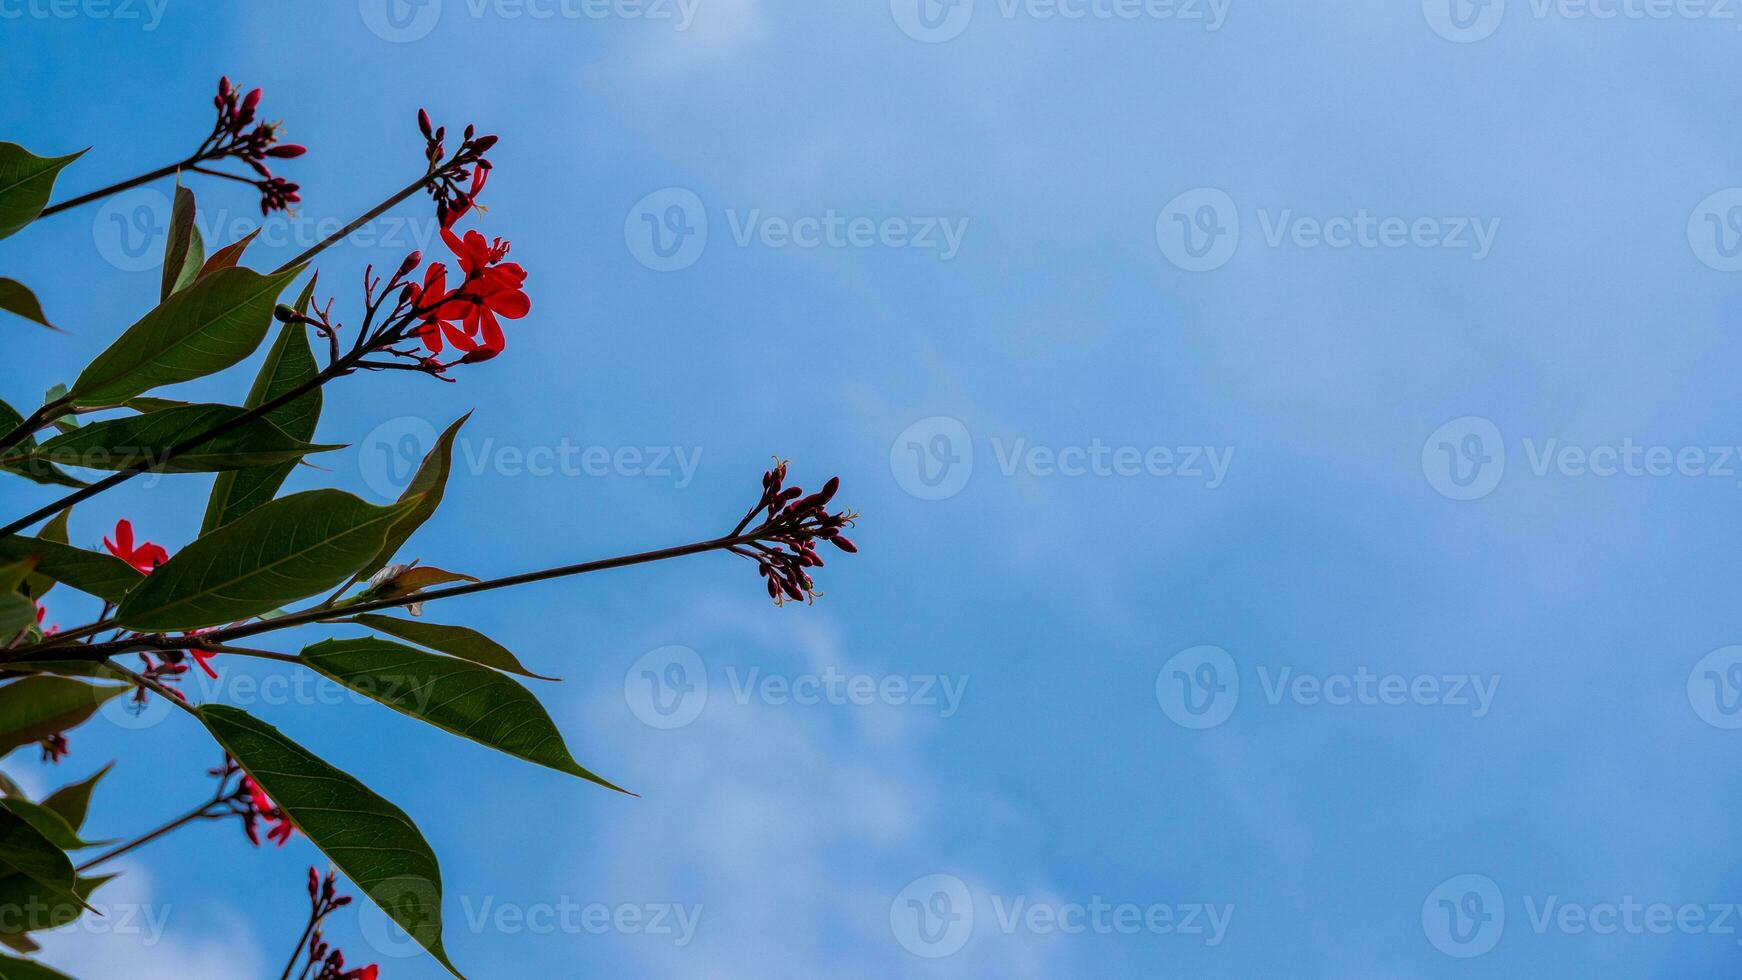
(287, 151)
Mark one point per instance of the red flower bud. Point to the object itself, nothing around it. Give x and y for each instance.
(287, 151)
(423, 123)
(845, 544)
(410, 263)
(252, 100)
(483, 144)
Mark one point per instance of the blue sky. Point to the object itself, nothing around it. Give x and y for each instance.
(979, 261)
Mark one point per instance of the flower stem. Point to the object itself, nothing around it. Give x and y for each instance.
(371, 215)
(220, 637)
(179, 822)
(101, 193)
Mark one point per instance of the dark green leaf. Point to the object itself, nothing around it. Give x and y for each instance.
(461, 697)
(12, 968)
(17, 613)
(34, 869)
(372, 842)
(427, 486)
(38, 584)
(455, 641)
(205, 328)
(286, 550)
(103, 576)
(49, 824)
(73, 800)
(16, 297)
(26, 181)
(183, 251)
(117, 444)
(33, 708)
(289, 363)
(31, 469)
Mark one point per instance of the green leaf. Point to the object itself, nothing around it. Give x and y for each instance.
(205, 328)
(73, 800)
(372, 842)
(38, 584)
(16, 297)
(17, 613)
(460, 697)
(26, 181)
(289, 363)
(103, 576)
(427, 486)
(13, 968)
(117, 444)
(286, 550)
(49, 824)
(36, 470)
(33, 708)
(39, 889)
(455, 641)
(183, 251)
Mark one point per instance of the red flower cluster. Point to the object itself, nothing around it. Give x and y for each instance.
(795, 522)
(231, 137)
(143, 556)
(467, 316)
(451, 199)
(327, 961)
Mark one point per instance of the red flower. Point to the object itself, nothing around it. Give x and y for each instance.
(261, 805)
(145, 557)
(467, 317)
